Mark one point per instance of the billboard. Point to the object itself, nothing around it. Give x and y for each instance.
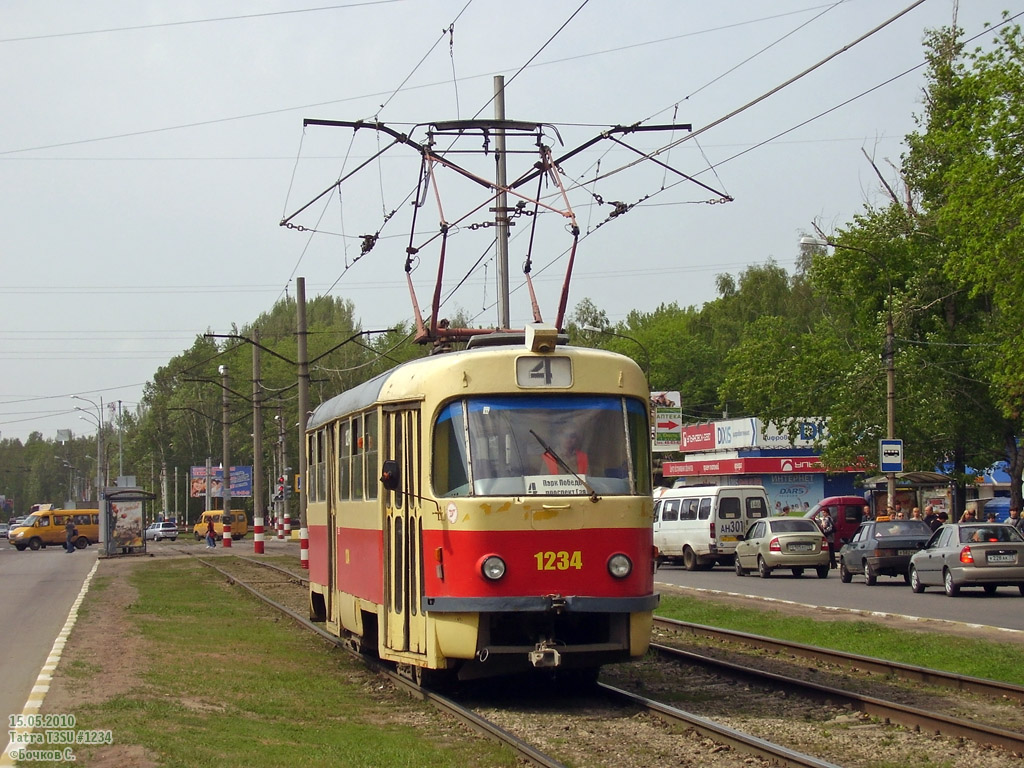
(241, 482)
(666, 421)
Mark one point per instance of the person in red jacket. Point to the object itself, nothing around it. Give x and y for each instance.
(572, 454)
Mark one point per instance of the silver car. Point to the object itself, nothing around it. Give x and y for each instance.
(986, 555)
(162, 530)
(782, 542)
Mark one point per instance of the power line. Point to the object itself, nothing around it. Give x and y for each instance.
(188, 22)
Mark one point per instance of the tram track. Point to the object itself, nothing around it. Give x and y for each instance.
(854, 662)
(621, 700)
(517, 724)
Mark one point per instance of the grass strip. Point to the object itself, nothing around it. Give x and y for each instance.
(934, 650)
(227, 682)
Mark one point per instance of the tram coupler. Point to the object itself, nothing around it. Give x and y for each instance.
(544, 656)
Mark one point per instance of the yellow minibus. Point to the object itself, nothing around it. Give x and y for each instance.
(45, 527)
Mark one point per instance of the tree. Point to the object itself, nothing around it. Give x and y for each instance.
(966, 160)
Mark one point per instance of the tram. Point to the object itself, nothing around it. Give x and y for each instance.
(486, 511)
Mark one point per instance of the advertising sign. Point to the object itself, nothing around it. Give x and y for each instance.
(736, 433)
(241, 482)
(754, 465)
(666, 420)
(808, 432)
(796, 492)
(127, 523)
(697, 438)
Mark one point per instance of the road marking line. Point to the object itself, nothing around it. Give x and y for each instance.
(42, 686)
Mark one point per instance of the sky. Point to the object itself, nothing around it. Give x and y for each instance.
(150, 150)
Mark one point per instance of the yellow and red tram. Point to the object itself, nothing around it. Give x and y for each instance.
(486, 511)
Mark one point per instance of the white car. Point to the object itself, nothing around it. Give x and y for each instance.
(162, 530)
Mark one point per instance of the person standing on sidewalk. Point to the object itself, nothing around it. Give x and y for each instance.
(211, 535)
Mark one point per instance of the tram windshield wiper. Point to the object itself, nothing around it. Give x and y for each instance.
(561, 462)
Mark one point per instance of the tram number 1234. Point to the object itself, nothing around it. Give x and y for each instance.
(559, 561)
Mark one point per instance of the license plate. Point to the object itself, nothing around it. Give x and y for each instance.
(801, 547)
(905, 551)
(1001, 558)
(728, 538)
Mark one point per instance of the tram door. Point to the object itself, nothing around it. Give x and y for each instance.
(403, 528)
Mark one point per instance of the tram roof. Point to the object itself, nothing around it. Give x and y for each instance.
(362, 395)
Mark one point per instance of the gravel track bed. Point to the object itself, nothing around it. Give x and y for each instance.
(585, 731)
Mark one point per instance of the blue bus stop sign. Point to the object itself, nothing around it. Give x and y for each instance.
(890, 455)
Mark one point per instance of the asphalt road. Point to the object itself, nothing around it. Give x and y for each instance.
(890, 595)
(38, 590)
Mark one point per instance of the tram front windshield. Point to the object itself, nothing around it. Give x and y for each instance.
(542, 445)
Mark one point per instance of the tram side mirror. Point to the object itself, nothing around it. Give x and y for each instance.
(389, 475)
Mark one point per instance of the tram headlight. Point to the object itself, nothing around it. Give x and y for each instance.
(620, 566)
(492, 567)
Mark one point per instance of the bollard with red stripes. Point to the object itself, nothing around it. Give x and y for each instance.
(279, 525)
(257, 535)
(226, 542)
(287, 525)
(303, 549)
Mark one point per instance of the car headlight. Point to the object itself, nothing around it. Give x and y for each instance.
(493, 567)
(620, 566)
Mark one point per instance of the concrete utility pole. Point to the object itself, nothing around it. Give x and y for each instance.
(303, 362)
(890, 396)
(257, 449)
(225, 515)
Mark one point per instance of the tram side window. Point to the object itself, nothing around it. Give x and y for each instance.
(448, 471)
(344, 460)
(640, 445)
(357, 458)
(316, 489)
(370, 453)
(321, 465)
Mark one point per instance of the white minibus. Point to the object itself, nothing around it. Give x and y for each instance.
(699, 526)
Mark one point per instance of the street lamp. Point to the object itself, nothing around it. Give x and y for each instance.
(888, 352)
(104, 522)
(609, 332)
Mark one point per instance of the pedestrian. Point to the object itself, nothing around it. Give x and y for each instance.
(828, 530)
(940, 519)
(867, 513)
(915, 513)
(930, 516)
(1015, 519)
(211, 535)
(70, 532)
(991, 517)
(970, 516)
